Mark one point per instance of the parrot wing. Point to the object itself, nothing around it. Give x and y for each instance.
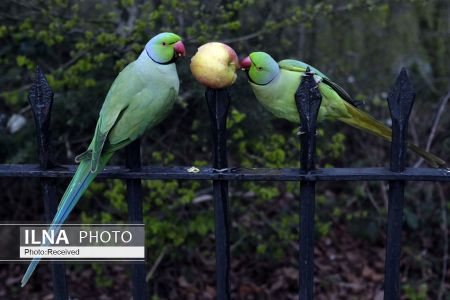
(132, 121)
(124, 88)
(299, 66)
(341, 92)
(146, 109)
(125, 130)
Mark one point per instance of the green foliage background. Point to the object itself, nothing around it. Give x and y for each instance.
(362, 44)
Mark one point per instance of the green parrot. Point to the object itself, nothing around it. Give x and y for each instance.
(275, 85)
(140, 97)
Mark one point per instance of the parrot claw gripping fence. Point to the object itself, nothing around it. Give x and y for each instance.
(308, 101)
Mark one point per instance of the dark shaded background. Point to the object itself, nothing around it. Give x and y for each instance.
(82, 45)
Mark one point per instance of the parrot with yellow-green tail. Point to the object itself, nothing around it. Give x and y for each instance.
(275, 84)
(140, 97)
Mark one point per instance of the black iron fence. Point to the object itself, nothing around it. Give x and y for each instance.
(308, 101)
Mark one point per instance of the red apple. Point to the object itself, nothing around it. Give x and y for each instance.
(215, 65)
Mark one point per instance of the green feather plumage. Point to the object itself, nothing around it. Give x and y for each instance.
(277, 96)
(140, 97)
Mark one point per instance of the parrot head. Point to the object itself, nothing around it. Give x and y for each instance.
(260, 67)
(165, 48)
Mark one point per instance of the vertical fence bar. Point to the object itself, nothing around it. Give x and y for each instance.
(218, 102)
(41, 101)
(400, 100)
(308, 101)
(136, 216)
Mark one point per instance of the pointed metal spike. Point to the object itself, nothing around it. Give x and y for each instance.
(400, 100)
(401, 97)
(41, 100)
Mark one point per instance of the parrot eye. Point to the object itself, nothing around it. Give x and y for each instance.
(164, 43)
(259, 68)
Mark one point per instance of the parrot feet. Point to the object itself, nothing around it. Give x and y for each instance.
(224, 170)
(315, 89)
(85, 155)
(300, 132)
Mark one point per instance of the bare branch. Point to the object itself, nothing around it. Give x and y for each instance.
(435, 125)
(156, 264)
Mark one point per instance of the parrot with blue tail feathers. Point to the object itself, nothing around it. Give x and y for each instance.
(275, 84)
(140, 97)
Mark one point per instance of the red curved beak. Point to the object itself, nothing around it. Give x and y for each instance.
(246, 63)
(179, 48)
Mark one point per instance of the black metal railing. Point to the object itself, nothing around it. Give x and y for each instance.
(308, 101)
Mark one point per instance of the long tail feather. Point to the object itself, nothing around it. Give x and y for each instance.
(430, 158)
(78, 185)
(364, 121)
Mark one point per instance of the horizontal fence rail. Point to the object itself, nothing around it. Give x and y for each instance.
(235, 174)
(308, 101)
